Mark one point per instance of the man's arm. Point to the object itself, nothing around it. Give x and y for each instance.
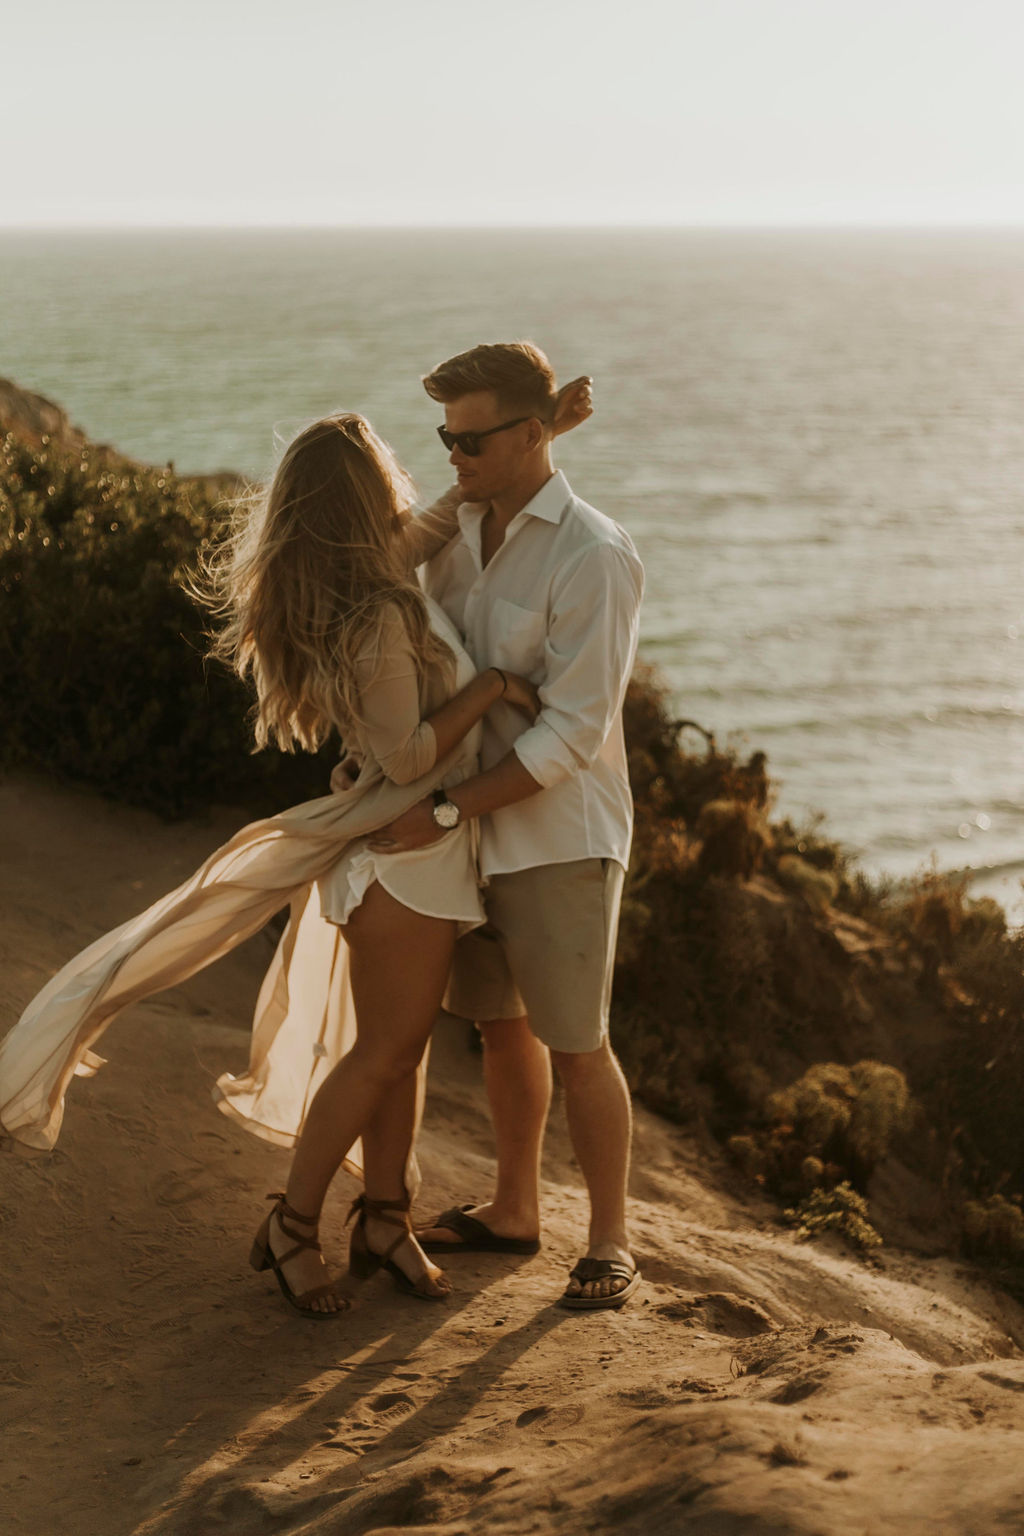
(588, 654)
(504, 784)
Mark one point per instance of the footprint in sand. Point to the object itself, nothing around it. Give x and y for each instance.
(530, 1416)
(392, 1406)
(800, 1388)
(720, 1312)
(182, 1189)
(1010, 1383)
(645, 1397)
(845, 1343)
(554, 1418)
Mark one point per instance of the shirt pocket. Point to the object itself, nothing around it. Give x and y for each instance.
(517, 638)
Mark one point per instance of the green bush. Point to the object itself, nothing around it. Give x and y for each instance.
(102, 677)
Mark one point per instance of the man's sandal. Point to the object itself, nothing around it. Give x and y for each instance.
(473, 1236)
(264, 1257)
(589, 1270)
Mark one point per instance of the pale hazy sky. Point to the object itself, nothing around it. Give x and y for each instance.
(523, 111)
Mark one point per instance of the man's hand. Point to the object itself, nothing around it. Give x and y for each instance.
(415, 828)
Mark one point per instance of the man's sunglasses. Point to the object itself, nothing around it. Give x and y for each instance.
(469, 442)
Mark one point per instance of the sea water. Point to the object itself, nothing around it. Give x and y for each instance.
(815, 438)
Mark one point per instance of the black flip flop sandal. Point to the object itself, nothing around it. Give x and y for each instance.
(601, 1269)
(474, 1236)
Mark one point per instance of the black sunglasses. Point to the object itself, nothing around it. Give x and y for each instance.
(469, 442)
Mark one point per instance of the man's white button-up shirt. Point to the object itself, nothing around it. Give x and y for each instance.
(559, 603)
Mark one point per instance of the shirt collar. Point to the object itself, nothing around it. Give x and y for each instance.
(549, 505)
(551, 500)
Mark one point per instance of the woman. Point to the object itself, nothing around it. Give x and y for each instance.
(321, 606)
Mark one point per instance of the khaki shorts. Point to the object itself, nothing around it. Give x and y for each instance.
(547, 951)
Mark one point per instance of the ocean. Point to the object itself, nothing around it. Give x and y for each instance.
(815, 438)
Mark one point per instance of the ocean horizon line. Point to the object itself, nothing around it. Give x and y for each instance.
(782, 226)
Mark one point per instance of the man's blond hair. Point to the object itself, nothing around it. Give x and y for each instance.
(517, 371)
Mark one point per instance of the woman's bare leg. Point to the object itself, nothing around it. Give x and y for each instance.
(387, 1144)
(399, 963)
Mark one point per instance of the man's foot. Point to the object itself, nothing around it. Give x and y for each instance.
(479, 1229)
(607, 1277)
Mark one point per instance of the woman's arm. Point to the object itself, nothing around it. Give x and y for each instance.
(427, 533)
(405, 745)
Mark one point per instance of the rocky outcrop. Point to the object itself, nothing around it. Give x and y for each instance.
(37, 421)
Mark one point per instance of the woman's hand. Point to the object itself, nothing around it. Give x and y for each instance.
(573, 404)
(345, 773)
(521, 694)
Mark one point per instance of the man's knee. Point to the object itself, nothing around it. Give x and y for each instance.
(506, 1034)
(584, 1066)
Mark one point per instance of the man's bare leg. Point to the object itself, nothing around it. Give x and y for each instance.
(598, 1110)
(517, 1075)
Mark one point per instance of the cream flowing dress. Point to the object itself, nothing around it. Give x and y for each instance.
(313, 858)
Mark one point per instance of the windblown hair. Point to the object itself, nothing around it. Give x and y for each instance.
(517, 371)
(303, 578)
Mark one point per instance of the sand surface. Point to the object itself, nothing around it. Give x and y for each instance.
(150, 1382)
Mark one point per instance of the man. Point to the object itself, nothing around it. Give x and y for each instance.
(542, 584)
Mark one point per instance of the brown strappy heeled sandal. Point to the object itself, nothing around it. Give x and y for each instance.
(264, 1257)
(364, 1262)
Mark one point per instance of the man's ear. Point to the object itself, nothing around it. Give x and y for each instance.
(537, 433)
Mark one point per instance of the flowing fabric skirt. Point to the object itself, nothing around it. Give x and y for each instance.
(304, 1019)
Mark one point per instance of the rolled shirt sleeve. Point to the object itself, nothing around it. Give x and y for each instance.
(589, 652)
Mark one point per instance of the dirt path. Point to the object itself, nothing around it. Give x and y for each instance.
(151, 1383)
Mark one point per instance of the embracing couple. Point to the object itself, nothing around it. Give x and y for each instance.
(472, 853)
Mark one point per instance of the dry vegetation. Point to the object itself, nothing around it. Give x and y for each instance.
(826, 1029)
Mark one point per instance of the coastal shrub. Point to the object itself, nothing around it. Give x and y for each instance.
(102, 677)
(818, 887)
(994, 1228)
(840, 1210)
(671, 782)
(833, 1125)
(733, 837)
(843, 885)
(847, 1115)
(981, 1081)
(930, 915)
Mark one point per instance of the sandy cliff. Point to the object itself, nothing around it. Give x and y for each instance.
(151, 1383)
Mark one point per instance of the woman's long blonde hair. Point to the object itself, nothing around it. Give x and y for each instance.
(303, 577)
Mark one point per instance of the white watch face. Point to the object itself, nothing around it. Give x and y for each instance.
(446, 814)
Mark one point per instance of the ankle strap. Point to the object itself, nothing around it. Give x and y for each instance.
(284, 1209)
(365, 1206)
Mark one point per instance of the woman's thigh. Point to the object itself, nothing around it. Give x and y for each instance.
(399, 967)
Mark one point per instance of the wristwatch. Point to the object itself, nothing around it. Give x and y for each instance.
(446, 812)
